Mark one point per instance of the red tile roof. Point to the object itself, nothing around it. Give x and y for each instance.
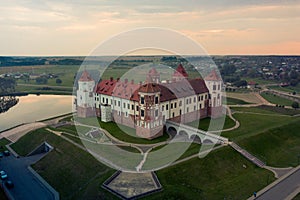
(149, 88)
(85, 76)
(168, 91)
(180, 72)
(213, 76)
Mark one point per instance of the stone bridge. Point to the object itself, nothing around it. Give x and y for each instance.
(191, 133)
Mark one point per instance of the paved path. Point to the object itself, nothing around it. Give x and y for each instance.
(285, 187)
(14, 134)
(27, 186)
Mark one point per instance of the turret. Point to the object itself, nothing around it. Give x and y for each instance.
(85, 96)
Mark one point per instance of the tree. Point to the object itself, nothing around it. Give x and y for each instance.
(41, 80)
(295, 105)
(58, 81)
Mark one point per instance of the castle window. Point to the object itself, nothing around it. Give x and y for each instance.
(173, 114)
(187, 101)
(175, 105)
(190, 100)
(115, 102)
(167, 107)
(206, 96)
(171, 105)
(180, 112)
(194, 107)
(162, 108)
(194, 99)
(119, 103)
(156, 113)
(142, 100)
(198, 98)
(219, 87)
(142, 113)
(124, 105)
(201, 98)
(126, 114)
(187, 109)
(128, 106)
(218, 96)
(156, 100)
(137, 108)
(106, 100)
(180, 103)
(103, 99)
(132, 107)
(200, 105)
(214, 87)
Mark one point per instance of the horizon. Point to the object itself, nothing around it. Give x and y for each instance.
(64, 28)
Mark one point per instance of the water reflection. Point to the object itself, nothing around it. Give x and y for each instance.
(34, 108)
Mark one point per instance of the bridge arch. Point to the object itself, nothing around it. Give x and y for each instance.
(207, 141)
(196, 139)
(183, 133)
(172, 131)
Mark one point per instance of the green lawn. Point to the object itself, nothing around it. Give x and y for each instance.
(203, 124)
(234, 101)
(121, 132)
(272, 98)
(289, 89)
(217, 176)
(297, 197)
(3, 142)
(253, 123)
(279, 147)
(70, 170)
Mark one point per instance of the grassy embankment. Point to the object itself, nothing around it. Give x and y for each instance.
(275, 99)
(269, 135)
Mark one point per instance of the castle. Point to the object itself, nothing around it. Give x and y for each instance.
(146, 106)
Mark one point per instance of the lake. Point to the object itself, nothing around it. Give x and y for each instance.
(34, 108)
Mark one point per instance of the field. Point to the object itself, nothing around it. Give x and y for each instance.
(279, 147)
(289, 89)
(255, 121)
(272, 98)
(234, 101)
(220, 175)
(247, 97)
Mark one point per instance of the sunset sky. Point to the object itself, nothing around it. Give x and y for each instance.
(76, 27)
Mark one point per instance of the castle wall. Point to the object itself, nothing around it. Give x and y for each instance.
(86, 112)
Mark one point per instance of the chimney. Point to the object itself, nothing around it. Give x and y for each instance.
(111, 78)
(132, 81)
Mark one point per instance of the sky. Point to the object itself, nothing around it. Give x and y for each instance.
(76, 27)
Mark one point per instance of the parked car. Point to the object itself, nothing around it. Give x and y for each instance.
(6, 153)
(9, 184)
(3, 175)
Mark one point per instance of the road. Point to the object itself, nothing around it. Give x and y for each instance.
(282, 188)
(27, 186)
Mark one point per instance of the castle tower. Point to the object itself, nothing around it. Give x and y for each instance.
(180, 74)
(214, 84)
(154, 75)
(85, 96)
(149, 121)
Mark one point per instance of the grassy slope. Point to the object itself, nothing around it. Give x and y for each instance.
(234, 101)
(276, 99)
(67, 168)
(253, 124)
(203, 124)
(3, 142)
(218, 175)
(279, 146)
